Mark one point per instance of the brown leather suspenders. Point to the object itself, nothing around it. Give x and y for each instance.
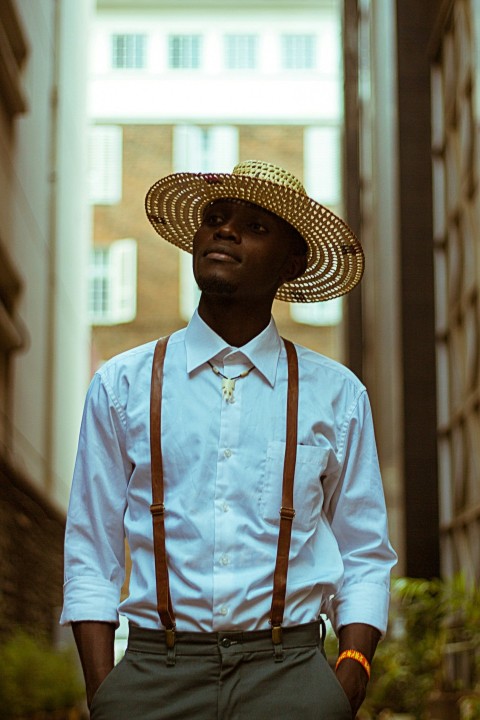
(157, 508)
(287, 512)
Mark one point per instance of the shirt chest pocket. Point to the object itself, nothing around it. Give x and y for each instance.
(307, 492)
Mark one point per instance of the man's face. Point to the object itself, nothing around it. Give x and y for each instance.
(243, 251)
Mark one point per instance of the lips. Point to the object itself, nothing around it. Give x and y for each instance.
(221, 254)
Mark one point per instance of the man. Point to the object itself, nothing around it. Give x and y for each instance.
(229, 579)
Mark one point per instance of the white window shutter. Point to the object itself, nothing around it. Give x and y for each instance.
(105, 164)
(189, 291)
(196, 149)
(323, 182)
(322, 164)
(223, 148)
(187, 148)
(319, 313)
(123, 280)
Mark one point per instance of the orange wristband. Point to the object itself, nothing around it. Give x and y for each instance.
(354, 655)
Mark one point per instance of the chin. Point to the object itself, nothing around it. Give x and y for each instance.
(216, 286)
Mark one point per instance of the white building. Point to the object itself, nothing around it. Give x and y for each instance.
(217, 62)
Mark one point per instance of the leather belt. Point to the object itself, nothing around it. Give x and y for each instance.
(157, 508)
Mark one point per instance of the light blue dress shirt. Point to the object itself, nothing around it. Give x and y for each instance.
(223, 465)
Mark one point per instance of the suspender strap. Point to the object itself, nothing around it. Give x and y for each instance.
(157, 508)
(287, 512)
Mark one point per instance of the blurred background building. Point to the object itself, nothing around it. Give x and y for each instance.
(44, 331)
(375, 104)
(197, 86)
(412, 81)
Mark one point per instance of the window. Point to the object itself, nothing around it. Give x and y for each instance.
(105, 165)
(189, 294)
(323, 165)
(205, 149)
(128, 51)
(319, 313)
(323, 182)
(298, 52)
(184, 52)
(113, 283)
(241, 52)
(200, 149)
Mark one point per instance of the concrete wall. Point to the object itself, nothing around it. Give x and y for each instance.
(45, 231)
(49, 235)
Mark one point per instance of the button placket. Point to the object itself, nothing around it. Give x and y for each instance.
(225, 521)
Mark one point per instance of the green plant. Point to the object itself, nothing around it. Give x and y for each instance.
(470, 707)
(427, 618)
(35, 677)
(408, 661)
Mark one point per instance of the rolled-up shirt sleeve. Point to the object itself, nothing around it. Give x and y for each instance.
(94, 539)
(358, 519)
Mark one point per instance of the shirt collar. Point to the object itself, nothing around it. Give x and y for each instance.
(263, 351)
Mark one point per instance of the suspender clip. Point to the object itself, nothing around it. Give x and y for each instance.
(171, 648)
(287, 513)
(276, 634)
(278, 652)
(170, 637)
(157, 509)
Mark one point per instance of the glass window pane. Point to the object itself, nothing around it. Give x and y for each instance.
(298, 52)
(241, 52)
(128, 51)
(184, 52)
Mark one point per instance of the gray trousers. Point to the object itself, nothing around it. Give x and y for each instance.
(222, 676)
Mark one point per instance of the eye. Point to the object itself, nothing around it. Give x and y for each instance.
(213, 219)
(257, 227)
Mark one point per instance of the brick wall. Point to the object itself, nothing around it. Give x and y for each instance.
(31, 557)
(147, 156)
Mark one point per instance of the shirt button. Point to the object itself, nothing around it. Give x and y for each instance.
(227, 453)
(225, 507)
(223, 610)
(224, 559)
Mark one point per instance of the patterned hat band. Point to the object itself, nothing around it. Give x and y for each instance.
(335, 259)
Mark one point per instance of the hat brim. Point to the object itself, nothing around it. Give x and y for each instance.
(335, 260)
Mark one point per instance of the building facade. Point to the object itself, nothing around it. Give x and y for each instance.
(414, 149)
(44, 332)
(190, 87)
(412, 80)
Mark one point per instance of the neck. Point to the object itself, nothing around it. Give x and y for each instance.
(237, 323)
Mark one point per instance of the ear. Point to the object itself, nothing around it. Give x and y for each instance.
(295, 265)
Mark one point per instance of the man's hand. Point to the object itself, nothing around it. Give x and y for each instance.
(95, 642)
(351, 675)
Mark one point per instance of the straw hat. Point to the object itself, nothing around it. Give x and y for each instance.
(335, 260)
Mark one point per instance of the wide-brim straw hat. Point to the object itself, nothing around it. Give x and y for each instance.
(335, 259)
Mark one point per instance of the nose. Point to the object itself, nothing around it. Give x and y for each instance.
(228, 230)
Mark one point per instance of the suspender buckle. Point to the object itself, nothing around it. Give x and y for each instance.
(278, 651)
(170, 637)
(157, 509)
(287, 513)
(276, 634)
(171, 649)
